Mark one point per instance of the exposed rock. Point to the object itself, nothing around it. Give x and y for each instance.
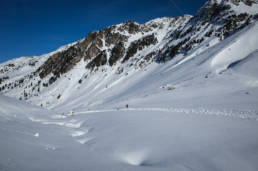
(119, 70)
(139, 45)
(3, 79)
(11, 65)
(52, 80)
(246, 2)
(113, 38)
(92, 51)
(99, 60)
(91, 45)
(149, 56)
(88, 48)
(117, 53)
(61, 62)
(130, 26)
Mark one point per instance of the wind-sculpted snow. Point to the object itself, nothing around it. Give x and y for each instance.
(142, 138)
(134, 158)
(232, 53)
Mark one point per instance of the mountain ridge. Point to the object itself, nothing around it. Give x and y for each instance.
(119, 49)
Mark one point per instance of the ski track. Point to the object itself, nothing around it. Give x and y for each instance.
(80, 134)
(242, 114)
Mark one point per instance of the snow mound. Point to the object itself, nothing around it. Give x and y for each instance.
(244, 45)
(135, 158)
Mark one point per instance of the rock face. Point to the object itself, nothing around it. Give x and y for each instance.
(125, 47)
(130, 26)
(100, 48)
(117, 53)
(88, 48)
(140, 45)
(219, 18)
(246, 2)
(99, 60)
(61, 62)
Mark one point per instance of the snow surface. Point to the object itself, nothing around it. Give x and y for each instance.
(181, 117)
(127, 139)
(196, 112)
(239, 49)
(242, 8)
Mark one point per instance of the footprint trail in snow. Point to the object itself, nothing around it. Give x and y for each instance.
(74, 126)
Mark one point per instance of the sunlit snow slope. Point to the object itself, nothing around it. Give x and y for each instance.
(192, 118)
(113, 62)
(190, 84)
(212, 74)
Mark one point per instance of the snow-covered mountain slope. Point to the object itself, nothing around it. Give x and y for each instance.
(197, 75)
(103, 59)
(190, 82)
(99, 48)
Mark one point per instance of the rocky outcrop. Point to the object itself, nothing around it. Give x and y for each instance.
(246, 2)
(91, 45)
(130, 26)
(91, 49)
(61, 62)
(140, 45)
(88, 48)
(215, 18)
(99, 60)
(117, 53)
(112, 37)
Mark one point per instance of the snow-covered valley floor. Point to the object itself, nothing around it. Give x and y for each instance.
(137, 138)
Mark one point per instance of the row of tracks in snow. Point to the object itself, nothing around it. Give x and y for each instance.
(241, 114)
(80, 133)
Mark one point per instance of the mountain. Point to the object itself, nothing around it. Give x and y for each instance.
(174, 94)
(105, 59)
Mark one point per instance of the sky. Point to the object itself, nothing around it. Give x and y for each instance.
(36, 27)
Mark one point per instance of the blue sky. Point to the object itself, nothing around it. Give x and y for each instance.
(35, 27)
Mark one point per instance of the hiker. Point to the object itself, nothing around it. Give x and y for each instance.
(71, 113)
